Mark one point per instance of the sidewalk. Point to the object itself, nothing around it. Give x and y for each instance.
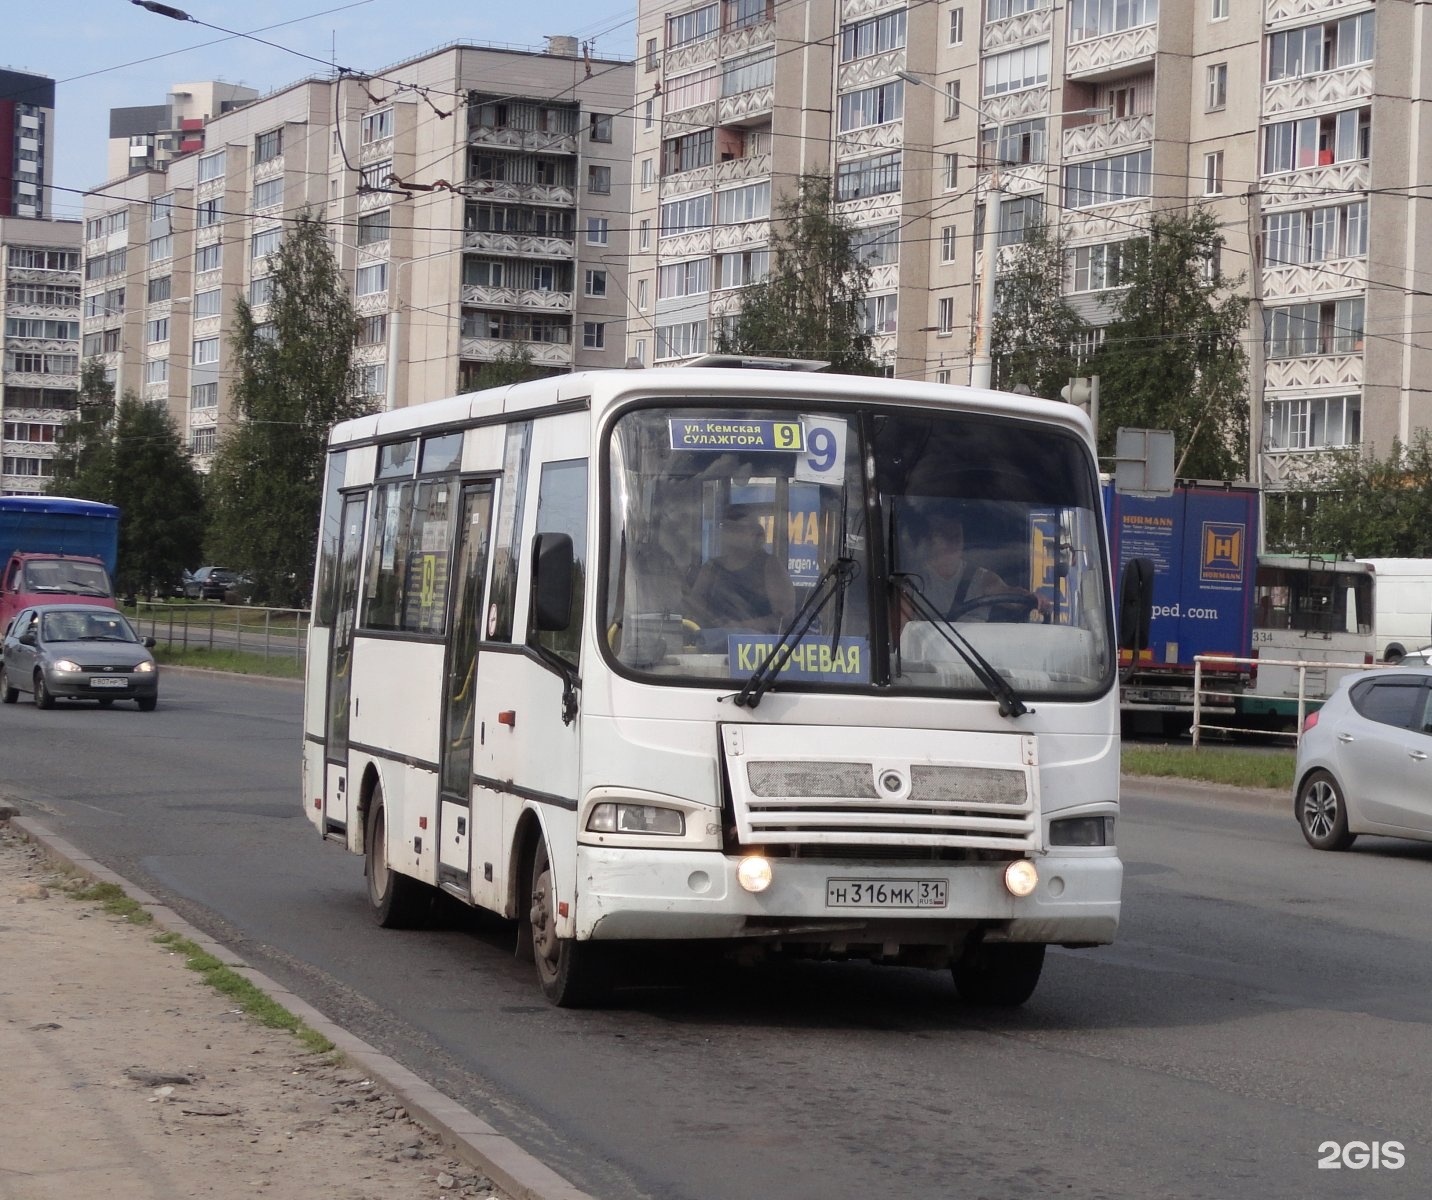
(128, 1077)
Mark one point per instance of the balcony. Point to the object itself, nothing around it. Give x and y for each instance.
(1113, 56)
(1099, 138)
(1313, 280)
(1013, 31)
(1321, 371)
(546, 354)
(523, 298)
(1330, 89)
(521, 193)
(1293, 10)
(758, 102)
(1318, 182)
(526, 141)
(518, 245)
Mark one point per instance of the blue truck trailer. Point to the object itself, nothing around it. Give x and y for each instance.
(55, 549)
(1202, 540)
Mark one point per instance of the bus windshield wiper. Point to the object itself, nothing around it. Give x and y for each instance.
(833, 582)
(1010, 705)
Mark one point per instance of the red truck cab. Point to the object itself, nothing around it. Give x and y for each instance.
(40, 578)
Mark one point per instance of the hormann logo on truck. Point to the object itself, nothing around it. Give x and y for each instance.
(1222, 556)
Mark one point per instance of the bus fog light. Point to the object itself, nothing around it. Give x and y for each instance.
(1021, 878)
(754, 873)
(636, 818)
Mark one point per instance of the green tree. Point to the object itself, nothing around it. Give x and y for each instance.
(1032, 334)
(294, 381)
(1360, 505)
(84, 447)
(812, 304)
(160, 497)
(513, 365)
(1173, 358)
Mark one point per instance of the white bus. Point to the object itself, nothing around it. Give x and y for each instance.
(1327, 612)
(530, 687)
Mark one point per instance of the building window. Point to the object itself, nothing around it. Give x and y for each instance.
(597, 228)
(37, 259)
(643, 234)
(374, 227)
(648, 174)
(640, 353)
(211, 166)
(371, 379)
(877, 105)
(1106, 180)
(206, 351)
(685, 215)
(680, 340)
(952, 172)
(747, 74)
(596, 283)
(1099, 18)
(694, 87)
(877, 176)
(688, 152)
(599, 127)
(862, 39)
(260, 291)
(372, 279)
(201, 441)
(652, 61)
(641, 294)
(694, 26)
(1218, 10)
(999, 10)
(208, 258)
(741, 268)
(158, 289)
(156, 370)
(206, 213)
(375, 176)
(957, 27)
(1014, 144)
(1315, 235)
(1015, 70)
(948, 242)
(204, 395)
(161, 248)
(1329, 46)
(599, 180)
(878, 245)
(1217, 97)
(945, 315)
(749, 203)
(1213, 173)
(690, 278)
(952, 100)
(207, 304)
(1317, 141)
(1312, 423)
(1097, 267)
(1017, 216)
(376, 126)
(648, 116)
(942, 376)
(742, 14)
(268, 146)
(157, 331)
(38, 468)
(594, 335)
(264, 243)
(1316, 328)
(880, 313)
(268, 193)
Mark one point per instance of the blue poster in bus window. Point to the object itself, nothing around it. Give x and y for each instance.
(812, 658)
(718, 434)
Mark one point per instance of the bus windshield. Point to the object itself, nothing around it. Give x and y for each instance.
(878, 540)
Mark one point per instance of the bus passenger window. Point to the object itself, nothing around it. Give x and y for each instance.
(562, 508)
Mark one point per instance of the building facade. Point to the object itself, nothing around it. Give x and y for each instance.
(1087, 116)
(151, 135)
(476, 201)
(39, 345)
(27, 123)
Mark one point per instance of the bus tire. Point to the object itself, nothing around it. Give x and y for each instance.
(396, 901)
(1322, 813)
(1393, 655)
(999, 974)
(573, 974)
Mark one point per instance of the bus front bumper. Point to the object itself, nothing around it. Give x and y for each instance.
(651, 894)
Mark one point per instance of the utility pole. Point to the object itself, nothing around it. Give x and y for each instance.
(981, 365)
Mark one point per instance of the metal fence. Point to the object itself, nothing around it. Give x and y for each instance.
(1205, 696)
(270, 632)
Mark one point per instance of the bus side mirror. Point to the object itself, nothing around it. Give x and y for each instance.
(1136, 604)
(551, 582)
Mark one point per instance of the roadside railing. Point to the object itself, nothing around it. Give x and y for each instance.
(271, 632)
(1203, 695)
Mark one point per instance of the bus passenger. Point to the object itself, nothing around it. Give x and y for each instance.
(743, 587)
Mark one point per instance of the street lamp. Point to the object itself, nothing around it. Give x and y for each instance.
(981, 364)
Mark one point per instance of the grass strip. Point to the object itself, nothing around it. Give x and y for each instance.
(1236, 768)
(113, 899)
(228, 982)
(236, 661)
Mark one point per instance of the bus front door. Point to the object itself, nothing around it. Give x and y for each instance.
(340, 668)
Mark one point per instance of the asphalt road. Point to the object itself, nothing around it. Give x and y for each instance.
(1262, 1001)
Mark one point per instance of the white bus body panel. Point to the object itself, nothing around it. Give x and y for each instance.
(1402, 603)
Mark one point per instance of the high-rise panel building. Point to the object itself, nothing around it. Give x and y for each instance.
(151, 135)
(1295, 122)
(39, 345)
(476, 201)
(27, 122)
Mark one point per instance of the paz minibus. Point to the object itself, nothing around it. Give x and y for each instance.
(521, 693)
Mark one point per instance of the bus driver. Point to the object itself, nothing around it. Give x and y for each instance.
(743, 586)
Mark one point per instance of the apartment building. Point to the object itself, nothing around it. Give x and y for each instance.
(27, 122)
(476, 200)
(39, 345)
(145, 137)
(1088, 116)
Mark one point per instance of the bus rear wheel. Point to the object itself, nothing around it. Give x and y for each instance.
(396, 901)
(573, 974)
(999, 974)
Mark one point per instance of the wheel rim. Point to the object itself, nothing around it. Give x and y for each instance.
(1320, 808)
(545, 947)
(378, 856)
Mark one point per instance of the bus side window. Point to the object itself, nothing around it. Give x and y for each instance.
(562, 508)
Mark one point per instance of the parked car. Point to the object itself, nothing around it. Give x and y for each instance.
(77, 652)
(1365, 760)
(216, 583)
(1418, 658)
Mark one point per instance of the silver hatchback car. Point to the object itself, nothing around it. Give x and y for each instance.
(77, 652)
(1365, 760)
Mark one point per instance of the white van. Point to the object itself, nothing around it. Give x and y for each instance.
(1403, 604)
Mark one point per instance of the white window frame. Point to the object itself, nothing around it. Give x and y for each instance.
(1213, 173)
(598, 231)
(957, 26)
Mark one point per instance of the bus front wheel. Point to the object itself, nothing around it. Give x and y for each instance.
(572, 973)
(396, 901)
(999, 974)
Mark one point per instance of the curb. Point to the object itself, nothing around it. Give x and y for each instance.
(514, 1170)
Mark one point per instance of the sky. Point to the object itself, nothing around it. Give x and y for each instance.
(107, 54)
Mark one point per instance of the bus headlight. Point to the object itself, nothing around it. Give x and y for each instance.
(1021, 877)
(636, 818)
(1082, 831)
(754, 873)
